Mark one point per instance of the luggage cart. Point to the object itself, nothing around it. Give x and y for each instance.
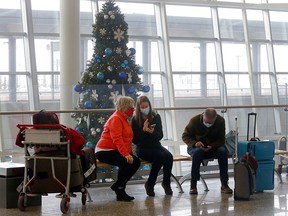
(49, 136)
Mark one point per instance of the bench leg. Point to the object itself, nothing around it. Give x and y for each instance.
(188, 177)
(278, 175)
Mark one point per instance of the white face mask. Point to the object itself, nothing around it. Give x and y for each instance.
(208, 125)
(145, 111)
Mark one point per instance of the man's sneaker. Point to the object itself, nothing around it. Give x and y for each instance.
(193, 191)
(226, 189)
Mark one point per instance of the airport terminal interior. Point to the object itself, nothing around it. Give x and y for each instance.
(190, 55)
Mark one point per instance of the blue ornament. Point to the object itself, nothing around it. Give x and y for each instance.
(100, 76)
(140, 70)
(90, 144)
(78, 129)
(123, 65)
(133, 51)
(125, 62)
(108, 51)
(97, 59)
(88, 105)
(122, 75)
(146, 88)
(77, 88)
(131, 89)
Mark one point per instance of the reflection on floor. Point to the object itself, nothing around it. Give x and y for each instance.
(268, 203)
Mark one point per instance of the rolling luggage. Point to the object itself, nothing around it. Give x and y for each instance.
(263, 152)
(244, 175)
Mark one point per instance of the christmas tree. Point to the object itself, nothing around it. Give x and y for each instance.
(111, 72)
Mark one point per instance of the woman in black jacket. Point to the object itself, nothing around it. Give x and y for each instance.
(147, 129)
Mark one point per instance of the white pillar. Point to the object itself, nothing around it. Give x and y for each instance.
(69, 54)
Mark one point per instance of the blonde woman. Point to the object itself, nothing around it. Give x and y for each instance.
(114, 146)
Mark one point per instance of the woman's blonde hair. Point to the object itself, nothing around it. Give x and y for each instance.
(123, 102)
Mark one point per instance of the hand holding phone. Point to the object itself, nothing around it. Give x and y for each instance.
(152, 126)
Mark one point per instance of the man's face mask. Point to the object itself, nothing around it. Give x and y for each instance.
(208, 125)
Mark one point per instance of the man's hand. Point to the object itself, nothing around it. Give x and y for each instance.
(201, 145)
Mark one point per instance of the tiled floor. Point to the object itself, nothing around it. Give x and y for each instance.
(268, 203)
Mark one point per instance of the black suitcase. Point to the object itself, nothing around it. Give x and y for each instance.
(244, 175)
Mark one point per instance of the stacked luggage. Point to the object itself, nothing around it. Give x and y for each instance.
(263, 152)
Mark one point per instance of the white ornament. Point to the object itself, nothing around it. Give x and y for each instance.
(110, 86)
(107, 81)
(94, 95)
(114, 95)
(110, 68)
(106, 16)
(118, 35)
(110, 13)
(101, 120)
(98, 130)
(129, 80)
(93, 132)
(112, 16)
(92, 129)
(102, 31)
(91, 74)
(119, 50)
(128, 52)
(113, 81)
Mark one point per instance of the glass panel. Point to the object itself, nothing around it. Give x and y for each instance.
(187, 85)
(211, 58)
(185, 56)
(20, 56)
(154, 57)
(4, 55)
(281, 62)
(47, 55)
(282, 79)
(265, 84)
(10, 16)
(236, 61)
(256, 28)
(238, 85)
(140, 18)
(49, 87)
(279, 25)
(259, 57)
(86, 17)
(45, 15)
(157, 85)
(256, 1)
(212, 85)
(21, 88)
(4, 88)
(231, 23)
(189, 21)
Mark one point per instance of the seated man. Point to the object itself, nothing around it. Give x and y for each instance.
(205, 138)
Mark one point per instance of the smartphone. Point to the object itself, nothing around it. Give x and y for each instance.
(153, 126)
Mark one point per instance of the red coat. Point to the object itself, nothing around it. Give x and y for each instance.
(117, 134)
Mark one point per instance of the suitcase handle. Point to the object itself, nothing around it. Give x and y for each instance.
(254, 127)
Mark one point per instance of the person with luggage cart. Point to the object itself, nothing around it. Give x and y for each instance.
(205, 139)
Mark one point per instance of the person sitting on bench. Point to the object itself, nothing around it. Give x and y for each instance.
(205, 138)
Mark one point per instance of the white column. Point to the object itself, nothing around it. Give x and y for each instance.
(70, 54)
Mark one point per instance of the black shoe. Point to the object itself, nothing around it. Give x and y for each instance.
(149, 190)
(115, 188)
(167, 189)
(123, 196)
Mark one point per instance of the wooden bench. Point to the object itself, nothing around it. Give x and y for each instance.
(113, 174)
